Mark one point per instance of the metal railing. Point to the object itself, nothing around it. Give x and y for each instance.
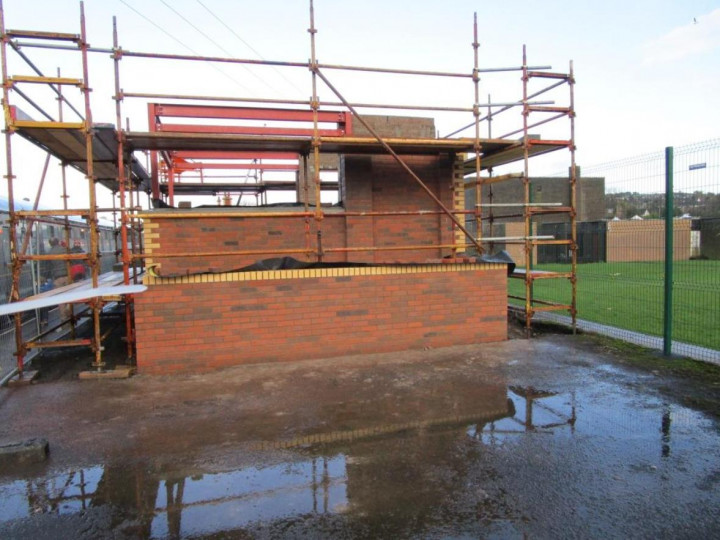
(654, 275)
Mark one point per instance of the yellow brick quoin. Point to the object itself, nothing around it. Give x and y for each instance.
(223, 277)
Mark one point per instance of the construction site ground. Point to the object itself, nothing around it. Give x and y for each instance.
(560, 436)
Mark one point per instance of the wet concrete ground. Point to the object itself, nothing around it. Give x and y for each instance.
(548, 438)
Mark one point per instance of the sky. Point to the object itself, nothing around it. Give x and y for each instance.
(646, 71)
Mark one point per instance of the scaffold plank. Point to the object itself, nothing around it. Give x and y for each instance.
(77, 295)
(35, 34)
(66, 142)
(276, 143)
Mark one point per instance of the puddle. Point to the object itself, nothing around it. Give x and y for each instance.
(508, 461)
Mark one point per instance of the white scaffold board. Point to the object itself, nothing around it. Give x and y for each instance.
(77, 295)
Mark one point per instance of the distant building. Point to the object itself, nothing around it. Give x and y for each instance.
(589, 200)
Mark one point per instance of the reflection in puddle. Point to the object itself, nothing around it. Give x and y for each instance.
(538, 412)
(496, 461)
(196, 505)
(154, 505)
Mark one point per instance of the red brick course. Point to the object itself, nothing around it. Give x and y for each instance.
(203, 326)
(373, 183)
(177, 236)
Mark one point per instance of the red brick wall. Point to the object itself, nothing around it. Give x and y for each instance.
(200, 235)
(378, 184)
(201, 326)
(372, 183)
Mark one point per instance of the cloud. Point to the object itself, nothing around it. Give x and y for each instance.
(687, 40)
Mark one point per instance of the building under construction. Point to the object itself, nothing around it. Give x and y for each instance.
(406, 258)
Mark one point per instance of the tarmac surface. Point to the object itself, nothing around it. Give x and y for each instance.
(545, 438)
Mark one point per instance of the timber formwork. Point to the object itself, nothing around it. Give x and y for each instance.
(178, 148)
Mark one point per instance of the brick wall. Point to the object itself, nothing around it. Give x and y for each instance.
(228, 234)
(376, 183)
(196, 321)
(630, 240)
(372, 183)
(185, 324)
(328, 162)
(385, 126)
(395, 126)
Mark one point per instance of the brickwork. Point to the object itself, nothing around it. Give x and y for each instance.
(328, 162)
(280, 316)
(629, 240)
(359, 198)
(198, 314)
(385, 126)
(458, 186)
(373, 183)
(395, 126)
(204, 235)
(393, 189)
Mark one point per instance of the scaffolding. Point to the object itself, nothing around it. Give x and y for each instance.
(534, 209)
(528, 209)
(90, 149)
(174, 149)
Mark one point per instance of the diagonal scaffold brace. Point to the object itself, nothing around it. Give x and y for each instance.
(400, 161)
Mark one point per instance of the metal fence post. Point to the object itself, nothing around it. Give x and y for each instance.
(667, 327)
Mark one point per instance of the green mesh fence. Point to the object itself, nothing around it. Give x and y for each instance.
(621, 257)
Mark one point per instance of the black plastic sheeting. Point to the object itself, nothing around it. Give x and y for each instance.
(501, 257)
(289, 263)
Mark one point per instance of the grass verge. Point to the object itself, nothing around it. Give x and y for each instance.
(630, 296)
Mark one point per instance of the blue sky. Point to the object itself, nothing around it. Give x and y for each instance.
(647, 71)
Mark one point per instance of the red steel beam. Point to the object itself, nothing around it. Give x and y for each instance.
(171, 186)
(177, 162)
(215, 154)
(247, 113)
(179, 167)
(247, 130)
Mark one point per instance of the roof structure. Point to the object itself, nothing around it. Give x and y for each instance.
(68, 145)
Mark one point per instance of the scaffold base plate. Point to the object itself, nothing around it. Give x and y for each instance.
(28, 377)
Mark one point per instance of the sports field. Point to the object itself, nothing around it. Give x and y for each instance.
(630, 296)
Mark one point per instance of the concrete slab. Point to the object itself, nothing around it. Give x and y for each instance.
(23, 452)
(546, 438)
